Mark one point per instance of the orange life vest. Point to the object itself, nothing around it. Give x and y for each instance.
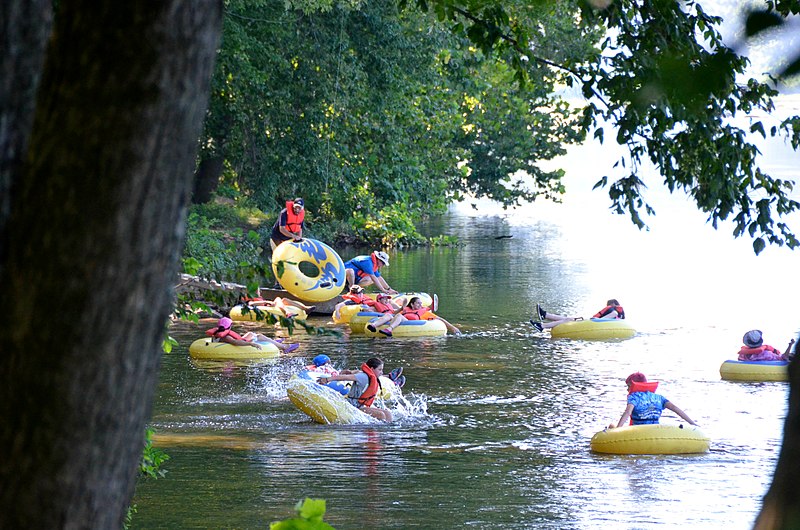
(357, 298)
(745, 353)
(367, 397)
(423, 313)
(294, 222)
(608, 309)
(214, 332)
(643, 386)
(378, 306)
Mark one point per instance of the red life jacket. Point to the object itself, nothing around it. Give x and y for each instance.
(417, 314)
(367, 397)
(746, 353)
(608, 309)
(643, 386)
(357, 298)
(294, 222)
(214, 332)
(378, 306)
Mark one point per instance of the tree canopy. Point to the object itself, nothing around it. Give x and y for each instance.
(377, 112)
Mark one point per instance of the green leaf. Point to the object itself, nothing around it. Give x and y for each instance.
(312, 509)
(758, 245)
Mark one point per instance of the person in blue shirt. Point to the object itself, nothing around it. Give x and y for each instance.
(365, 270)
(645, 407)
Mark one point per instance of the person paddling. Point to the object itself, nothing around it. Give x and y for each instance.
(366, 387)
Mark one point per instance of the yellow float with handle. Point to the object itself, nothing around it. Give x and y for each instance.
(593, 329)
(253, 314)
(206, 348)
(324, 276)
(655, 439)
(754, 370)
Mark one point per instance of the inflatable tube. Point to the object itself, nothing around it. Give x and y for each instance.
(325, 405)
(346, 313)
(754, 370)
(593, 329)
(256, 313)
(359, 321)
(413, 328)
(650, 440)
(221, 351)
(325, 285)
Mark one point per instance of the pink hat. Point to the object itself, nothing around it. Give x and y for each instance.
(225, 322)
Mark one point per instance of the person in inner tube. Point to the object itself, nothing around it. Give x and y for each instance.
(754, 349)
(645, 407)
(413, 311)
(612, 311)
(224, 333)
(366, 387)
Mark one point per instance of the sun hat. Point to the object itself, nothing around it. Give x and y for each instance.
(636, 377)
(753, 338)
(356, 288)
(225, 322)
(383, 257)
(321, 359)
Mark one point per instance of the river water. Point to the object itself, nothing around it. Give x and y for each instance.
(496, 434)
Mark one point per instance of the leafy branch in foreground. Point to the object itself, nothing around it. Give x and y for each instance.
(663, 78)
(309, 517)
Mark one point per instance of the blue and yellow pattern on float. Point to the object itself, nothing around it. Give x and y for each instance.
(325, 285)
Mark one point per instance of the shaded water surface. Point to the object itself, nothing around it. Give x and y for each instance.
(499, 428)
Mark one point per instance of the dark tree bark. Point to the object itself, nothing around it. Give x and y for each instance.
(24, 29)
(206, 179)
(91, 240)
(781, 509)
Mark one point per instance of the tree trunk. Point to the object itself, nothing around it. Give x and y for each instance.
(24, 30)
(206, 179)
(781, 509)
(92, 240)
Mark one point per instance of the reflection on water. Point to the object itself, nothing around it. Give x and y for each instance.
(495, 433)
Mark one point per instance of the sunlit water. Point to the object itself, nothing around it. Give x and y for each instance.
(496, 430)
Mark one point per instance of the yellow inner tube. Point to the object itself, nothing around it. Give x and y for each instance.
(593, 329)
(208, 349)
(346, 313)
(326, 406)
(413, 328)
(754, 370)
(324, 285)
(252, 315)
(650, 440)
